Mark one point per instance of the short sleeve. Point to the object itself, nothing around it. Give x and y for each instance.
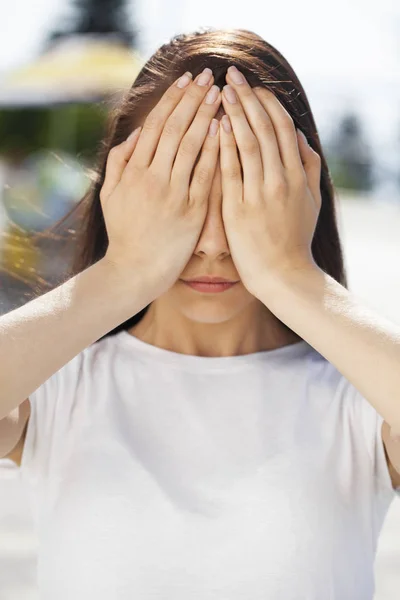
(370, 422)
(51, 406)
(372, 425)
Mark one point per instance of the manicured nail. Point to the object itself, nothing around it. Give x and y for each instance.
(205, 77)
(213, 129)
(184, 80)
(237, 76)
(230, 94)
(133, 134)
(226, 124)
(212, 95)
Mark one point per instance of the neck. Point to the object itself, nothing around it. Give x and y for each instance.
(252, 330)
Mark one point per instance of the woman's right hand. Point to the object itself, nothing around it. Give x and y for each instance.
(153, 213)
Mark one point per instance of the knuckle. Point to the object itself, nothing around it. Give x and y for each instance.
(299, 178)
(202, 175)
(188, 146)
(152, 121)
(233, 172)
(171, 126)
(209, 147)
(195, 91)
(250, 146)
(287, 122)
(172, 94)
(203, 112)
(196, 200)
(131, 171)
(279, 186)
(265, 126)
(152, 179)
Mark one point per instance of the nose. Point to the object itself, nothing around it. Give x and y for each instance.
(213, 243)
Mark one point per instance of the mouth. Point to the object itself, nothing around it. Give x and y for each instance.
(210, 287)
(209, 279)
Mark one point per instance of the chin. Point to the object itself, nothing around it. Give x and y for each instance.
(214, 311)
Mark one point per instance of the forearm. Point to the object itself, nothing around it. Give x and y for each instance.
(40, 337)
(363, 346)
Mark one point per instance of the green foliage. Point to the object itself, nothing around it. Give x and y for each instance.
(341, 176)
(73, 128)
(22, 130)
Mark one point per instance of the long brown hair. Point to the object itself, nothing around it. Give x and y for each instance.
(262, 65)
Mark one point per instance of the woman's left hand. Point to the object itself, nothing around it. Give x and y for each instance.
(270, 214)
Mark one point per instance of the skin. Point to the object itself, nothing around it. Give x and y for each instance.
(259, 228)
(229, 323)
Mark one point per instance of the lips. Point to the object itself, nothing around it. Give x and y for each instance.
(208, 279)
(210, 288)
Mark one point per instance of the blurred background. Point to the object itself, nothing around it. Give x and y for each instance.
(63, 66)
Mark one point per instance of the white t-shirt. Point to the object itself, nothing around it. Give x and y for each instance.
(158, 475)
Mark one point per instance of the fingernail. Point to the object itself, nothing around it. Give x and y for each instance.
(133, 134)
(205, 77)
(213, 129)
(184, 80)
(212, 95)
(230, 94)
(226, 123)
(237, 76)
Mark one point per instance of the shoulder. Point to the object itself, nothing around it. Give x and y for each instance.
(370, 445)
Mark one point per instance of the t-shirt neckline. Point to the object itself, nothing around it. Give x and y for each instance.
(210, 363)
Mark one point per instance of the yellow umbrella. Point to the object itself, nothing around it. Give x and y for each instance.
(77, 69)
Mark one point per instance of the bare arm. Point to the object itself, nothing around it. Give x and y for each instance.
(147, 176)
(40, 337)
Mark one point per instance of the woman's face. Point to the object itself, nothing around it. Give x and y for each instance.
(211, 257)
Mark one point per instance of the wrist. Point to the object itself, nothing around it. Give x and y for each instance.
(128, 286)
(274, 283)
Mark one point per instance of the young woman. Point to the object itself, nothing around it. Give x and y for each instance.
(187, 438)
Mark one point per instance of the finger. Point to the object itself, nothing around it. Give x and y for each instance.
(259, 121)
(203, 174)
(117, 160)
(312, 167)
(284, 127)
(155, 120)
(193, 140)
(179, 121)
(247, 142)
(231, 174)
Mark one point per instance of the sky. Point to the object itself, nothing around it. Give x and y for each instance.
(346, 53)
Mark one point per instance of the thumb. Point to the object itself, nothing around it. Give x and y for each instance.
(117, 160)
